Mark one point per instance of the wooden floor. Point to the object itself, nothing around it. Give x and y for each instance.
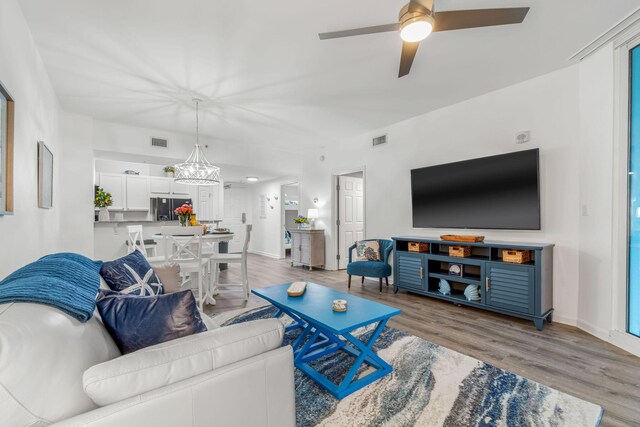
(560, 356)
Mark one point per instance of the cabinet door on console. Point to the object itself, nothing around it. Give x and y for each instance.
(305, 248)
(295, 248)
(410, 270)
(510, 287)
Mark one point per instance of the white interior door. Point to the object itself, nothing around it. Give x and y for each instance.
(350, 215)
(208, 203)
(236, 201)
(203, 210)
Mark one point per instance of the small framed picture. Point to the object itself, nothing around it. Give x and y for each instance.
(6, 151)
(45, 176)
(455, 270)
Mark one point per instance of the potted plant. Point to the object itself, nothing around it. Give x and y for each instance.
(169, 171)
(301, 221)
(184, 213)
(102, 201)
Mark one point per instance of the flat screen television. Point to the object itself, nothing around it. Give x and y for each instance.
(497, 192)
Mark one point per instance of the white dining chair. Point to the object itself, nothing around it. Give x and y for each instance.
(135, 240)
(240, 258)
(183, 245)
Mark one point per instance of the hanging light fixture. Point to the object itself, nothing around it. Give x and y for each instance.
(197, 170)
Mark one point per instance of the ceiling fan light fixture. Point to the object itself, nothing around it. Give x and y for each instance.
(416, 29)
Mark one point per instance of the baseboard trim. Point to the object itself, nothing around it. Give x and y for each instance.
(267, 254)
(623, 340)
(571, 321)
(626, 341)
(594, 330)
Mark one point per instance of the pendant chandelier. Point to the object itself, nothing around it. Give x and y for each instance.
(197, 170)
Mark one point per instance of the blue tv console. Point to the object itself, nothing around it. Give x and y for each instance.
(521, 290)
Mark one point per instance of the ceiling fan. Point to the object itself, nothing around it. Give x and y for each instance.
(417, 19)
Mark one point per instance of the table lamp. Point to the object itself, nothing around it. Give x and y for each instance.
(312, 214)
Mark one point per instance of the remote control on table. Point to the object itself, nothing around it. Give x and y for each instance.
(296, 289)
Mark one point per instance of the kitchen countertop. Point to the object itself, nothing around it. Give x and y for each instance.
(145, 221)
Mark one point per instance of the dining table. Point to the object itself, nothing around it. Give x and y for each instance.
(211, 241)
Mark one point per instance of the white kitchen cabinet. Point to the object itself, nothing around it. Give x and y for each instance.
(137, 194)
(114, 184)
(180, 189)
(167, 186)
(160, 186)
(133, 192)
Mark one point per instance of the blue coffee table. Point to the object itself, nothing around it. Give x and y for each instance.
(322, 329)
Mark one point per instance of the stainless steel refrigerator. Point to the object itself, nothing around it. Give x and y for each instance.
(176, 203)
(164, 207)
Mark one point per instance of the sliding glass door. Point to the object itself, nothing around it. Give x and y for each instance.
(633, 318)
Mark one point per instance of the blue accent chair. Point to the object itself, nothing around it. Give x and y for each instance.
(380, 269)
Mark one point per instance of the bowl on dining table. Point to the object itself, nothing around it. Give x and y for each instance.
(219, 230)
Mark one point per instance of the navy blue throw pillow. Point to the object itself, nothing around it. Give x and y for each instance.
(136, 322)
(132, 274)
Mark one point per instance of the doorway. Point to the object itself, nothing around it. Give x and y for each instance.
(234, 217)
(290, 196)
(350, 225)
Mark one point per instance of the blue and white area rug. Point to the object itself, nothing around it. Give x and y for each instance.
(430, 386)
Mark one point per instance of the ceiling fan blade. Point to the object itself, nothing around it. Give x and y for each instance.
(425, 6)
(360, 31)
(460, 19)
(409, 50)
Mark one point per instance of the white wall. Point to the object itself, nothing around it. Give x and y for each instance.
(268, 233)
(603, 155)
(76, 191)
(487, 125)
(596, 189)
(30, 232)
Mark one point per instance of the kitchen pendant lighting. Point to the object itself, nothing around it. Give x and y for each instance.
(197, 170)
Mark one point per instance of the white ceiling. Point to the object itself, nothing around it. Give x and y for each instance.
(268, 79)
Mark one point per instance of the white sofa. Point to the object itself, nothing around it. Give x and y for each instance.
(56, 370)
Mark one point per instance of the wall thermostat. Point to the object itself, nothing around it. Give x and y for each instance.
(522, 137)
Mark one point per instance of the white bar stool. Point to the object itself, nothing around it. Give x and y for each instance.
(240, 258)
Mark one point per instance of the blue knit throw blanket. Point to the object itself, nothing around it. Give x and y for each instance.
(66, 281)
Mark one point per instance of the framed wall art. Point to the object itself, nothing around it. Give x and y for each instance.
(45, 176)
(6, 151)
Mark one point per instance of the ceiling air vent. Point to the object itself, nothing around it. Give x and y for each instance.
(159, 142)
(379, 140)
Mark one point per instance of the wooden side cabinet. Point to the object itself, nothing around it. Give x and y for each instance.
(307, 248)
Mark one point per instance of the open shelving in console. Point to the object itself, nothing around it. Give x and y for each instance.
(521, 290)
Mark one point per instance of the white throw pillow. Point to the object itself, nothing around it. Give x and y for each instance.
(173, 361)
